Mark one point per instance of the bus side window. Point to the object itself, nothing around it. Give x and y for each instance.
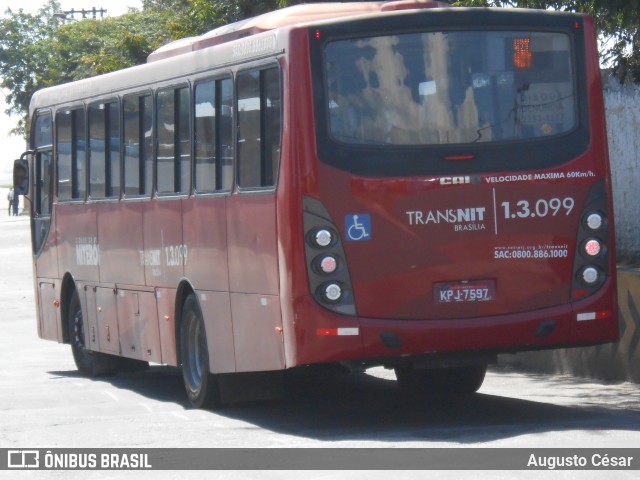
(213, 135)
(173, 155)
(104, 150)
(138, 142)
(71, 151)
(259, 112)
(97, 154)
(43, 169)
(226, 134)
(113, 149)
(42, 141)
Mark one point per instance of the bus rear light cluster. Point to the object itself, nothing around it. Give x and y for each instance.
(592, 258)
(329, 280)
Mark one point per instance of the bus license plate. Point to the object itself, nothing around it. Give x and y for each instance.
(472, 291)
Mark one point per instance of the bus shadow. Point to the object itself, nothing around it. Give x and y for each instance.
(369, 408)
(160, 383)
(362, 407)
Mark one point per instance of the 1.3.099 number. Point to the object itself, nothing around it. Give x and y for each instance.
(541, 208)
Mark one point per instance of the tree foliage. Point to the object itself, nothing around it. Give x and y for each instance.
(41, 50)
(24, 64)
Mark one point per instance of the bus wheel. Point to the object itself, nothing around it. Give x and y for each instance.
(437, 381)
(90, 364)
(201, 386)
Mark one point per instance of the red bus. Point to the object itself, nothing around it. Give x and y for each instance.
(398, 184)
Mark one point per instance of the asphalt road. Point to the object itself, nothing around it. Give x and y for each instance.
(45, 403)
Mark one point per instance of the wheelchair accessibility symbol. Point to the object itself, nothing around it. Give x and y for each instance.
(358, 227)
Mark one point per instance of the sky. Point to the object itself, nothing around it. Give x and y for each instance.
(12, 146)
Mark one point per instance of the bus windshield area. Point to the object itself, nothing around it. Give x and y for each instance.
(439, 88)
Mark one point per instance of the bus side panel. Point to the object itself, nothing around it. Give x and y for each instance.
(138, 325)
(166, 306)
(164, 250)
(88, 306)
(78, 247)
(49, 325)
(257, 332)
(46, 263)
(205, 236)
(216, 311)
(253, 280)
(105, 318)
(252, 250)
(120, 237)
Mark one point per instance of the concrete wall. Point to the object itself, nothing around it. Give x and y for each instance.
(623, 128)
(619, 361)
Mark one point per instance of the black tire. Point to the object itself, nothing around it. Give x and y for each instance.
(90, 364)
(201, 386)
(441, 381)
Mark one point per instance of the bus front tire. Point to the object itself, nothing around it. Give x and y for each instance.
(89, 363)
(201, 386)
(441, 381)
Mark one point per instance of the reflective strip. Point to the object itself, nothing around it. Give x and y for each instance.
(603, 315)
(337, 332)
(348, 331)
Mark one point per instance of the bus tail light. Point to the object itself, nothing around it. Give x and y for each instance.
(332, 292)
(592, 259)
(590, 275)
(322, 237)
(594, 221)
(593, 247)
(329, 280)
(328, 264)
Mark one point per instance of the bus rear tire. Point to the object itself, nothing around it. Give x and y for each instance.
(201, 386)
(89, 363)
(441, 381)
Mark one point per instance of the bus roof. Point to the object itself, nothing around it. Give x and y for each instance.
(296, 14)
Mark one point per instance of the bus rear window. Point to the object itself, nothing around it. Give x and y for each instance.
(440, 88)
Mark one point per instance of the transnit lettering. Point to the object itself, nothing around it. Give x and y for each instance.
(452, 215)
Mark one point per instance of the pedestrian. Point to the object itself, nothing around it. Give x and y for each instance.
(10, 198)
(16, 203)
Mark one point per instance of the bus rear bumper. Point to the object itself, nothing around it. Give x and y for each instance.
(332, 338)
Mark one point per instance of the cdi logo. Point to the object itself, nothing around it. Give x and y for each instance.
(358, 227)
(23, 459)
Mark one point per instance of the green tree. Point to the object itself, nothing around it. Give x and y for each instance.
(42, 50)
(24, 63)
(91, 47)
(196, 17)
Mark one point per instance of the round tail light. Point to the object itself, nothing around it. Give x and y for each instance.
(332, 292)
